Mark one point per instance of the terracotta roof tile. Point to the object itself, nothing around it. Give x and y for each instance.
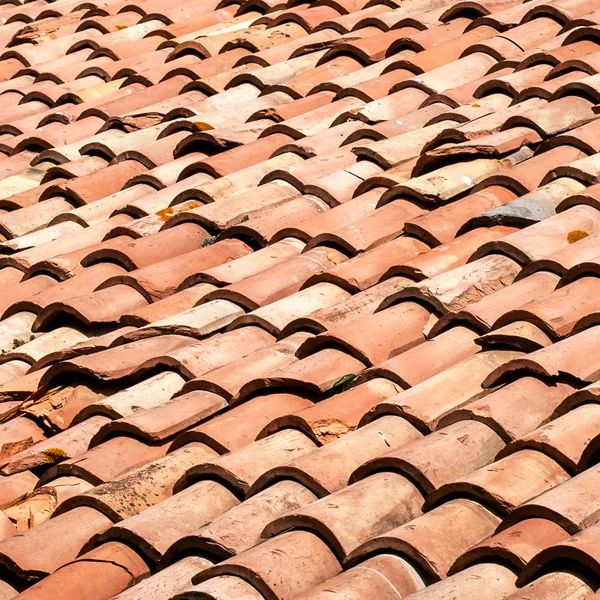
(122, 569)
(324, 270)
(207, 501)
(329, 516)
(558, 505)
(579, 548)
(548, 584)
(243, 423)
(495, 580)
(22, 555)
(175, 578)
(462, 521)
(517, 544)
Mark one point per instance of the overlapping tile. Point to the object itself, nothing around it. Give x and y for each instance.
(299, 300)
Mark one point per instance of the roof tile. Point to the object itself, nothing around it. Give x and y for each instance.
(238, 238)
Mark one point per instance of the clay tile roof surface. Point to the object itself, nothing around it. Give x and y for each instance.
(299, 300)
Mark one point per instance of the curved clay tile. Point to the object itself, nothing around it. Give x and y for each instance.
(398, 328)
(38, 348)
(581, 550)
(498, 145)
(40, 505)
(242, 264)
(279, 280)
(343, 184)
(374, 229)
(562, 11)
(312, 420)
(239, 470)
(326, 469)
(265, 229)
(124, 570)
(172, 580)
(227, 584)
(385, 575)
(473, 445)
(18, 553)
(153, 483)
(548, 235)
(438, 186)
(44, 290)
(199, 321)
(520, 335)
(361, 304)
(297, 108)
(72, 441)
(491, 311)
(119, 361)
(424, 404)
(565, 439)
(207, 354)
(376, 264)
(106, 461)
(556, 361)
(580, 314)
(409, 368)
(241, 424)
(455, 290)
(277, 315)
(316, 374)
(99, 307)
(516, 545)
(443, 224)
(259, 565)
(222, 537)
(389, 152)
(154, 391)
(374, 82)
(158, 424)
(535, 171)
(513, 83)
(571, 505)
(384, 500)
(146, 251)
(302, 173)
(209, 500)
(444, 257)
(17, 486)
(461, 522)
(567, 583)
(218, 217)
(338, 217)
(508, 482)
(165, 307)
(486, 579)
(228, 380)
(502, 409)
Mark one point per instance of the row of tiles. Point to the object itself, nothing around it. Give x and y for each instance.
(318, 365)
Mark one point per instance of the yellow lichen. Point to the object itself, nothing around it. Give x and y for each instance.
(201, 126)
(121, 27)
(576, 235)
(165, 214)
(55, 455)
